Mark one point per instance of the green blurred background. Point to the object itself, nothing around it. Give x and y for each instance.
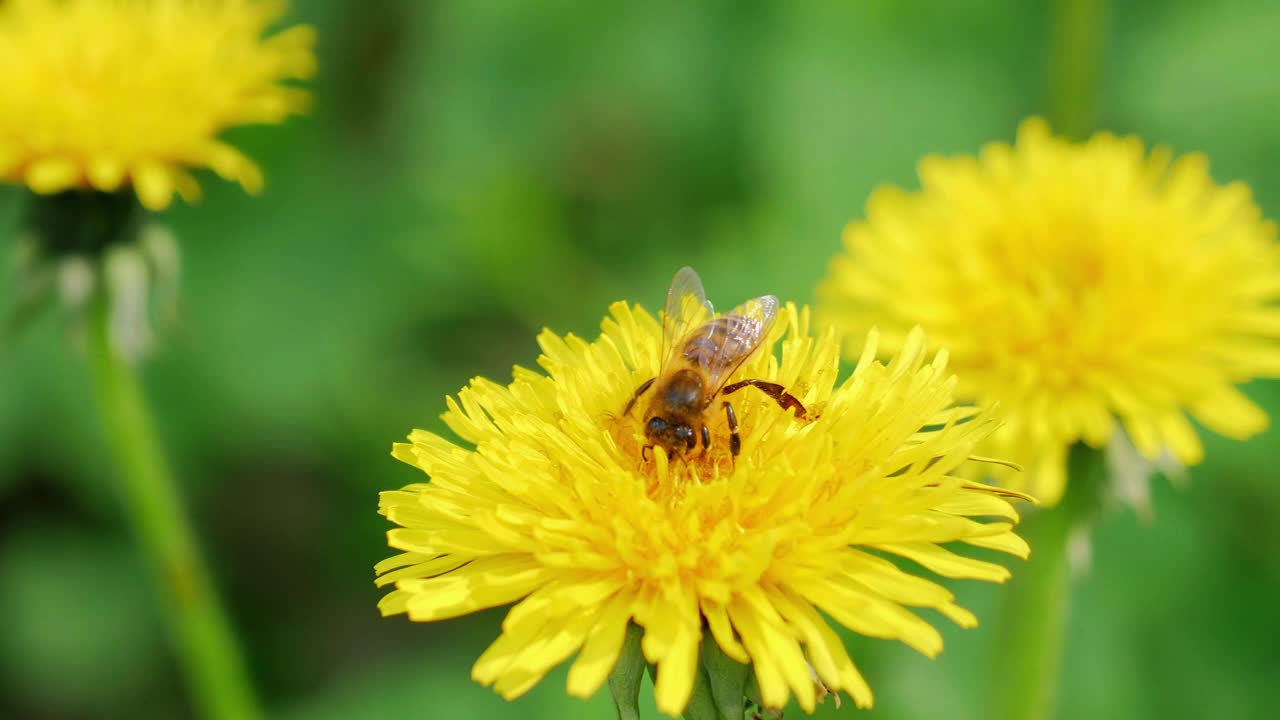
(473, 172)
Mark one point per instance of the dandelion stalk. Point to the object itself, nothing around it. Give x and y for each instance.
(1075, 57)
(1033, 621)
(206, 646)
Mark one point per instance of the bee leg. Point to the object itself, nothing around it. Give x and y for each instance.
(706, 439)
(735, 442)
(773, 390)
(639, 391)
(644, 453)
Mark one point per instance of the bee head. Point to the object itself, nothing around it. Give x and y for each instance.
(672, 437)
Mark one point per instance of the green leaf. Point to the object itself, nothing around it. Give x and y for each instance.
(624, 681)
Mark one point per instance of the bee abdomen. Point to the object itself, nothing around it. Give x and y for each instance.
(718, 342)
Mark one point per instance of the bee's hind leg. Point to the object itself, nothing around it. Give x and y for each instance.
(639, 391)
(773, 390)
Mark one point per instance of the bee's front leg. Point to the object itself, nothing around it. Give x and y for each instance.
(639, 391)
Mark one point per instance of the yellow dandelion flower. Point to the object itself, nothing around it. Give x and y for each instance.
(1077, 285)
(105, 94)
(552, 505)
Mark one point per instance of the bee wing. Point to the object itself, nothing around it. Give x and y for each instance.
(686, 310)
(744, 329)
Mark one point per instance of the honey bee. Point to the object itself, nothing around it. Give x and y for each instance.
(699, 354)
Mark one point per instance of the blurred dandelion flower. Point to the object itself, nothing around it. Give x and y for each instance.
(1075, 284)
(105, 94)
(556, 510)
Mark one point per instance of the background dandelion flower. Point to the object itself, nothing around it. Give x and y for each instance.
(1074, 284)
(105, 94)
(554, 510)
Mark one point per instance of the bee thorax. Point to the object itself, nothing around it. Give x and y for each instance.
(681, 393)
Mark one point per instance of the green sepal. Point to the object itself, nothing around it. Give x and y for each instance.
(727, 678)
(624, 681)
(83, 222)
(700, 706)
(1086, 484)
(756, 703)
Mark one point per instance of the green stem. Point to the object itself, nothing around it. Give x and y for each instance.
(1075, 59)
(1032, 622)
(208, 652)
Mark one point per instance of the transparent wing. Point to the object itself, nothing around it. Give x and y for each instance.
(686, 310)
(737, 336)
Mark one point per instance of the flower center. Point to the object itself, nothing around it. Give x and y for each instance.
(666, 476)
